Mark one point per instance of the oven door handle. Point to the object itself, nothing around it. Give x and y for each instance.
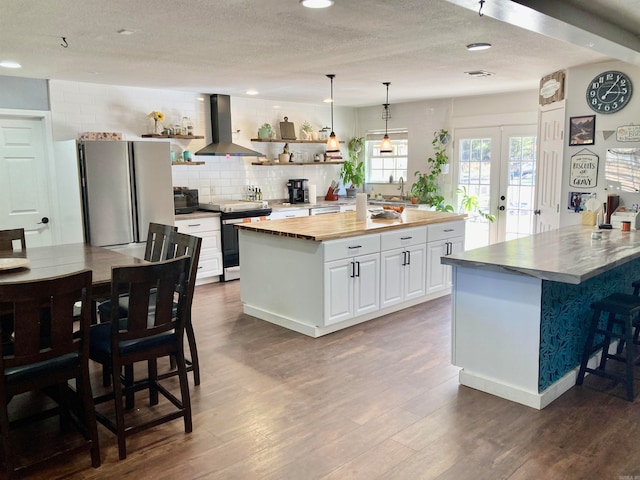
(232, 221)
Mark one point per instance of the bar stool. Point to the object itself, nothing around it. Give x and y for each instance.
(623, 310)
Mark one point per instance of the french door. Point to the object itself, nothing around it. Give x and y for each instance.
(498, 166)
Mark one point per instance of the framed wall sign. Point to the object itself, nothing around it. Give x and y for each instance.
(584, 169)
(628, 133)
(582, 130)
(551, 88)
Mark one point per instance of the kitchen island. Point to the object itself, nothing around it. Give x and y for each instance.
(319, 274)
(521, 309)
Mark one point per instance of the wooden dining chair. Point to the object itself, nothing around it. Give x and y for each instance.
(145, 335)
(163, 243)
(7, 237)
(45, 353)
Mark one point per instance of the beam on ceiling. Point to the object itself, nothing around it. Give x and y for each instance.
(563, 22)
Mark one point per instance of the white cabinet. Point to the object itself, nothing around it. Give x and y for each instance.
(348, 208)
(444, 239)
(402, 265)
(207, 228)
(288, 213)
(351, 278)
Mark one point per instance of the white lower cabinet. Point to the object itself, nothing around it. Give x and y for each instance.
(444, 239)
(207, 228)
(402, 266)
(352, 281)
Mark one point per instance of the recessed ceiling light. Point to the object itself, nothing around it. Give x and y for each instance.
(474, 47)
(252, 91)
(124, 31)
(479, 73)
(316, 3)
(10, 64)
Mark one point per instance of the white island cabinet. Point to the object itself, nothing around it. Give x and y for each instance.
(319, 274)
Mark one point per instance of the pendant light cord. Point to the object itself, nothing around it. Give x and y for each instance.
(386, 110)
(331, 78)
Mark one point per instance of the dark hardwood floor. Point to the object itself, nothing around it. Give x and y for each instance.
(376, 401)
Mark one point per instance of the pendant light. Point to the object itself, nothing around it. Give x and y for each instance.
(333, 145)
(385, 145)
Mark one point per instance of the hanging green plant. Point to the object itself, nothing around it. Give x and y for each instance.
(426, 187)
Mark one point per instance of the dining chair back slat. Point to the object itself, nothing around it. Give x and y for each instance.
(7, 238)
(157, 246)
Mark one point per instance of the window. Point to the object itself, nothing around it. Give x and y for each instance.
(379, 167)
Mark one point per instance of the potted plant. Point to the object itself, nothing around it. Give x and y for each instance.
(426, 187)
(352, 173)
(470, 203)
(306, 130)
(265, 131)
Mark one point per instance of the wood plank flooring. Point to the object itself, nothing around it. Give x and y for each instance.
(376, 401)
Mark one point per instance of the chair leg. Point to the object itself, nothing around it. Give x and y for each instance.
(83, 386)
(6, 442)
(607, 341)
(129, 394)
(106, 376)
(195, 364)
(119, 407)
(184, 391)
(152, 367)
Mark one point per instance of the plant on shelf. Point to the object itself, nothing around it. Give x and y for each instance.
(158, 118)
(352, 173)
(426, 187)
(306, 130)
(470, 203)
(265, 131)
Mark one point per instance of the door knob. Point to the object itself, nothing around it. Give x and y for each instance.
(536, 212)
(502, 197)
(501, 208)
(44, 220)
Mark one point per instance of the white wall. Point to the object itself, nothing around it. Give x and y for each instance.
(577, 80)
(83, 107)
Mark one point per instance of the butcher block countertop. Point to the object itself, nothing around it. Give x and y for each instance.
(343, 225)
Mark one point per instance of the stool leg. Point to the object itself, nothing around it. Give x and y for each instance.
(630, 356)
(607, 341)
(588, 346)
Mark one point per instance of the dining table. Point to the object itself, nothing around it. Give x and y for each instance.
(40, 263)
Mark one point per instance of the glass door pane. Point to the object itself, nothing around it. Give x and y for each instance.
(520, 186)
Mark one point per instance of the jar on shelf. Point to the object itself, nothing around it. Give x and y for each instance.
(187, 126)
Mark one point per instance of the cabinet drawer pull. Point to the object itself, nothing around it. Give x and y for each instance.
(408, 257)
(193, 225)
(358, 265)
(406, 238)
(355, 246)
(353, 270)
(449, 229)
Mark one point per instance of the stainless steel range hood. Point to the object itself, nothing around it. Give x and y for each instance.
(221, 131)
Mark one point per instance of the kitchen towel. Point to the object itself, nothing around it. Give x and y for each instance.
(312, 194)
(361, 206)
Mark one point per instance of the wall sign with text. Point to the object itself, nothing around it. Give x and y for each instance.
(628, 133)
(584, 169)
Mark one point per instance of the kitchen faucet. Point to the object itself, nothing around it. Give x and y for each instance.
(401, 187)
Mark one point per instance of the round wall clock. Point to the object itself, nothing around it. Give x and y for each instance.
(609, 92)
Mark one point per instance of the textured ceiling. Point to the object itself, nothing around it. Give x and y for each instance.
(284, 50)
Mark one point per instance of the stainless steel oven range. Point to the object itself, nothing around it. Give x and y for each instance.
(232, 213)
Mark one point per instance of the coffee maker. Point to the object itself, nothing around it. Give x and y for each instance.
(298, 190)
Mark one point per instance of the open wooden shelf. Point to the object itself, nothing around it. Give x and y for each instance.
(184, 137)
(280, 140)
(286, 164)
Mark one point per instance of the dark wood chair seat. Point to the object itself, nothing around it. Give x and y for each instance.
(29, 364)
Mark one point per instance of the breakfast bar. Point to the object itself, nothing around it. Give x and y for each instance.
(319, 274)
(521, 309)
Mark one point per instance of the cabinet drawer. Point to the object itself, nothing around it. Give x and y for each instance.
(403, 238)
(349, 247)
(197, 225)
(440, 231)
(210, 240)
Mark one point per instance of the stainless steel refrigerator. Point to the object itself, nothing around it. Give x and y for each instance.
(124, 185)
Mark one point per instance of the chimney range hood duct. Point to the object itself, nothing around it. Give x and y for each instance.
(221, 131)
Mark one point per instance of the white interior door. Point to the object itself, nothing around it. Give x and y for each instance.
(549, 189)
(498, 166)
(24, 187)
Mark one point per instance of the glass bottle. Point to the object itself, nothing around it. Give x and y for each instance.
(187, 126)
